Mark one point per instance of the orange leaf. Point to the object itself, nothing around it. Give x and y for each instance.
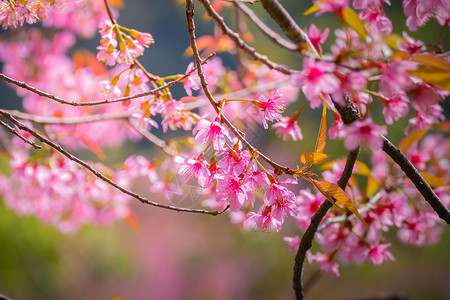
(411, 138)
(362, 169)
(93, 146)
(312, 158)
(372, 186)
(116, 297)
(311, 10)
(351, 19)
(84, 58)
(340, 196)
(202, 42)
(133, 220)
(322, 138)
(433, 180)
(116, 3)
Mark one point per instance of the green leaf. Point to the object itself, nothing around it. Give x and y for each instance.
(312, 158)
(433, 76)
(322, 138)
(311, 10)
(351, 19)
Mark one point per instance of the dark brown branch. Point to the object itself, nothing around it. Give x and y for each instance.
(240, 43)
(100, 175)
(191, 28)
(422, 186)
(272, 35)
(308, 237)
(97, 102)
(287, 23)
(16, 133)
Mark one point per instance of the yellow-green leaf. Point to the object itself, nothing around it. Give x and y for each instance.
(322, 138)
(324, 191)
(433, 76)
(362, 169)
(433, 180)
(372, 186)
(351, 19)
(312, 158)
(411, 138)
(433, 60)
(311, 10)
(337, 193)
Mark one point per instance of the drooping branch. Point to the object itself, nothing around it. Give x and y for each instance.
(240, 43)
(97, 102)
(154, 139)
(272, 35)
(100, 175)
(419, 182)
(310, 233)
(191, 29)
(287, 23)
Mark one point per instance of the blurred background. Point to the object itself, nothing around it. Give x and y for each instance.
(181, 256)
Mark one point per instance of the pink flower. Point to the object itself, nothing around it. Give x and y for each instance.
(317, 78)
(212, 132)
(334, 6)
(395, 107)
(326, 263)
(363, 132)
(288, 127)
(377, 254)
(194, 167)
(411, 45)
(377, 19)
(293, 242)
(264, 220)
(192, 82)
(317, 38)
(395, 79)
(271, 109)
(232, 190)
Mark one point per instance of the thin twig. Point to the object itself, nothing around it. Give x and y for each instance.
(240, 43)
(15, 132)
(308, 237)
(100, 175)
(98, 102)
(272, 35)
(421, 185)
(191, 28)
(287, 24)
(68, 121)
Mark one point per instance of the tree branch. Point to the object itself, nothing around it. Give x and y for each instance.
(272, 35)
(287, 23)
(421, 185)
(191, 28)
(15, 132)
(308, 237)
(240, 43)
(97, 102)
(100, 175)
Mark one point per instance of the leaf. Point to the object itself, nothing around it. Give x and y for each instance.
(362, 169)
(311, 10)
(340, 196)
(411, 138)
(433, 180)
(432, 60)
(392, 40)
(116, 297)
(322, 138)
(202, 42)
(93, 146)
(312, 158)
(433, 76)
(372, 186)
(351, 19)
